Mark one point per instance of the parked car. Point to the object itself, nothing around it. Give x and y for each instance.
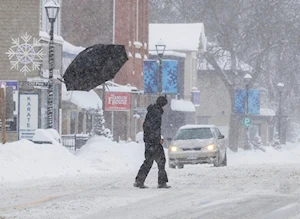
(197, 144)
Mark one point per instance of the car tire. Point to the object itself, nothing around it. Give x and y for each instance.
(217, 161)
(224, 162)
(180, 166)
(172, 166)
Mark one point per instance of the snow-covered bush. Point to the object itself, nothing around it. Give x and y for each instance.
(276, 141)
(257, 141)
(256, 144)
(98, 124)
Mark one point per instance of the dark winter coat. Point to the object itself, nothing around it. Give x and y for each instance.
(152, 125)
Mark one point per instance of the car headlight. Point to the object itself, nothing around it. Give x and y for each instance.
(173, 149)
(210, 147)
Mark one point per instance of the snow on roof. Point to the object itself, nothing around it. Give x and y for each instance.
(70, 48)
(114, 87)
(192, 126)
(83, 99)
(182, 105)
(45, 36)
(178, 37)
(266, 112)
(118, 89)
(169, 53)
(69, 53)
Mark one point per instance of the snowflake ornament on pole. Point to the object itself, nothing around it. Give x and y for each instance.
(25, 54)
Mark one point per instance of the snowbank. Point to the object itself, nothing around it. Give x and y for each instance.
(107, 155)
(289, 153)
(24, 160)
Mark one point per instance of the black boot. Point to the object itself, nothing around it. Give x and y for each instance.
(140, 185)
(163, 186)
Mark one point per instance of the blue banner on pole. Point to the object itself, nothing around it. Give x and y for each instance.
(169, 76)
(240, 101)
(253, 101)
(150, 76)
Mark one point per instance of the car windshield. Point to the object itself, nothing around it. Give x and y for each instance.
(195, 133)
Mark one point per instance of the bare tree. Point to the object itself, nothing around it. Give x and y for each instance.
(262, 33)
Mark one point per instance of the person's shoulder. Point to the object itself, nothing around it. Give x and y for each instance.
(150, 107)
(153, 107)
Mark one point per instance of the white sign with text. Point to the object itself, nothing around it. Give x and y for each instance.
(28, 115)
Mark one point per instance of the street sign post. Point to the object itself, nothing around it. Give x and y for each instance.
(247, 122)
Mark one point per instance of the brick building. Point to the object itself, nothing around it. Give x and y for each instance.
(122, 22)
(22, 63)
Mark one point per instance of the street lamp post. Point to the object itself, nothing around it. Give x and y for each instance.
(280, 89)
(3, 112)
(136, 117)
(247, 80)
(160, 49)
(52, 9)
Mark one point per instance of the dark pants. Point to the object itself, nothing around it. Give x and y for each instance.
(153, 153)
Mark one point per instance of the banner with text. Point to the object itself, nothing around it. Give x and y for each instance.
(117, 101)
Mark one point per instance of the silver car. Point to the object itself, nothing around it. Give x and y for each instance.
(197, 144)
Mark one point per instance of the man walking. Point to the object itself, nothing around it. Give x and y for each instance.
(153, 149)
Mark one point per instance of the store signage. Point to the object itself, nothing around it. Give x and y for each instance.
(117, 101)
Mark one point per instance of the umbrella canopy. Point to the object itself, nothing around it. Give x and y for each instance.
(94, 66)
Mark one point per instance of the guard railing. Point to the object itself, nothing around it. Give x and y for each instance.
(74, 141)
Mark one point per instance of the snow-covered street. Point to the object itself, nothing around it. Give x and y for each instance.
(253, 185)
(247, 191)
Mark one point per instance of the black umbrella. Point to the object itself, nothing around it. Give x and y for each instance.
(94, 66)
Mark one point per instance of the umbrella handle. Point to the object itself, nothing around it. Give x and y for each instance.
(61, 80)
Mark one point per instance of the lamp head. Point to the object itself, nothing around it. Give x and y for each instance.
(160, 48)
(247, 79)
(280, 86)
(52, 9)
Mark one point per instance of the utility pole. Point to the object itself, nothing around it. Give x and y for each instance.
(3, 114)
(160, 49)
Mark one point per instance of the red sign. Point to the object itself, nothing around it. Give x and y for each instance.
(117, 101)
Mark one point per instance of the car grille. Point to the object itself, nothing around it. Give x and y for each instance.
(191, 149)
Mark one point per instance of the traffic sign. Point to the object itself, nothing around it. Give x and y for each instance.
(247, 122)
